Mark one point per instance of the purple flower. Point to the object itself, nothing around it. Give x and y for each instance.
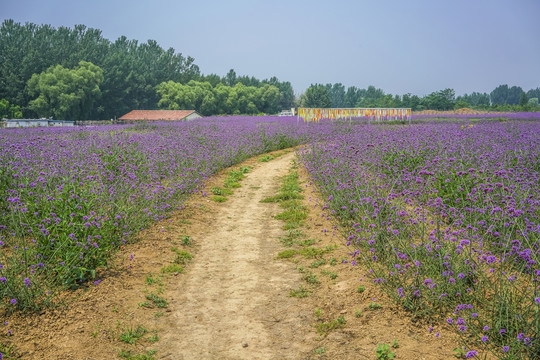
(485, 338)
(502, 331)
(450, 320)
(13, 301)
(471, 354)
(506, 348)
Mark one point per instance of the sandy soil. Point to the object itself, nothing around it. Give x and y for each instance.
(232, 301)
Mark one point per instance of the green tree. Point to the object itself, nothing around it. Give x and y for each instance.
(66, 94)
(316, 96)
(352, 96)
(504, 95)
(10, 111)
(370, 97)
(523, 99)
(534, 93)
(286, 92)
(230, 78)
(268, 99)
(440, 100)
(336, 93)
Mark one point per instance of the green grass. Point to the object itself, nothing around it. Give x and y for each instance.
(219, 191)
(234, 178)
(182, 256)
(307, 242)
(157, 301)
(172, 268)
(219, 198)
(287, 254)
(300, 293)
(186, 240)
(311, 278)
(384, 353)
(131, 336)
(325, 327)
(313, 252)
(317, 263)
(290, 190)
(129, 355)
(150, 279)
(331, 275)
(266, 158)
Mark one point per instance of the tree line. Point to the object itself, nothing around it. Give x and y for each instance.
(75, 73)
(502, 98)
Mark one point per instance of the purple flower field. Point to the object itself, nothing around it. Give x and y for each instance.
(70, 197)
(446, 215)
(502, 116)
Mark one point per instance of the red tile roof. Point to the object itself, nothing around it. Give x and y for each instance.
(157, 115)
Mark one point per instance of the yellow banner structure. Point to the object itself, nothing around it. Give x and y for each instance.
(316, 114)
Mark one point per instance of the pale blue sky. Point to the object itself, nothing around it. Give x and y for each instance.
(416, 46)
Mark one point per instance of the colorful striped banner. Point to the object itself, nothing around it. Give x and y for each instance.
(316, 114)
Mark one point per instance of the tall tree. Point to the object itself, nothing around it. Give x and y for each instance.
(66, 94)
(337, 95)
(230, 78)
(316, 96)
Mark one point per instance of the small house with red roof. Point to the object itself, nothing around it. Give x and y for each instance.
(160, 115)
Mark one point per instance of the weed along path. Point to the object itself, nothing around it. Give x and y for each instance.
(234, 302)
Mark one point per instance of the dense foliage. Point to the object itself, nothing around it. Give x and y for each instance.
(501, 98)
(131, 70)
(447, 217)
(221, 99)
(65, 93)
(9, 111)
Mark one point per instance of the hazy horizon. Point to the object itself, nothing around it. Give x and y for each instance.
(413, 47)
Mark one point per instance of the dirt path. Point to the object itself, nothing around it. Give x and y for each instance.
(233, 303)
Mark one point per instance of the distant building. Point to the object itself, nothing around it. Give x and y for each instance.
(160, 115)
(287, 112)
(18, 123)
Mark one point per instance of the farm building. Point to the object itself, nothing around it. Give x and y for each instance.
(160, 115)
(17, 123)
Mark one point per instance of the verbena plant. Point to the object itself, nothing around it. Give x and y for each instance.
(71, 197)
(446, 215)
